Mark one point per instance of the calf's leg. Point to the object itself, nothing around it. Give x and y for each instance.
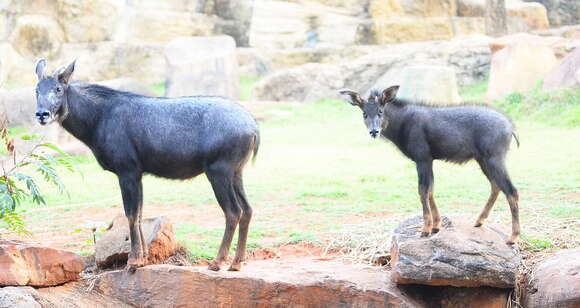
(221, 178)
(244, 223)
(132, 192)
(425, 173)
(492, 197)
(497, 171)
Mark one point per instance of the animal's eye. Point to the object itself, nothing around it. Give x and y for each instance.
(364, 115)
(58, 89)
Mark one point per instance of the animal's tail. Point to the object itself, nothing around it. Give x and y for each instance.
(515, 134)
(256, 146)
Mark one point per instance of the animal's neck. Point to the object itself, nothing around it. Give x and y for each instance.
(80, 115)
(395, 114)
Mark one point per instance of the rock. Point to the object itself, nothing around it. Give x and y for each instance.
(24, 297)
(110, 60)
(468, 25)
(555, 282)
(279, 283)
(282, 24)
(561, 12)
(408, 29)
(202, 66)
(469, 56)
(564, 75)
(114, 247)
(534, 14)
(418, 83)
(15, 70)
(37, 36)
(128, 84)
(165, 25)
(235, 17)
(82, 20)
(459, 255)
(518, 68)
(76, 295)
(452, 297)
(18, 105)
(471, 8)
(25, 265)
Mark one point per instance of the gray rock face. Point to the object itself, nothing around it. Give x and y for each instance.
(469, 57)
(566, 74)
(114, 247)
(418, 84)
(459, 255)
(561, 12)
(202, 66)
(555, 282)
(23, 297)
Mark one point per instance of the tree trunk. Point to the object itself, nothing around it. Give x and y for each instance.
(495, 18)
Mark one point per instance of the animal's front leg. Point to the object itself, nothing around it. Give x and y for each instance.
(132, 191)
(425, 172)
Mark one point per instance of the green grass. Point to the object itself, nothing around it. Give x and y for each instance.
(318, 173)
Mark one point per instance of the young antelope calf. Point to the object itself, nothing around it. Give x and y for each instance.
(455, 134)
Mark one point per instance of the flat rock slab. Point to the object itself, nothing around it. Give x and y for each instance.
(22, 264)
(555, 282)
(460, 255)
(269, 283)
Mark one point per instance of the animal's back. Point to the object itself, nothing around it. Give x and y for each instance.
(179, 137)
(460, 133)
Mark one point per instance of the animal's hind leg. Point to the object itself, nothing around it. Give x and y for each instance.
(132, 192)
(244, 223)
(221, 178)
(496, 168)
(425, 172)
(492, 197)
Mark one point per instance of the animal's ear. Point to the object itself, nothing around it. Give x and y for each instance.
(389, 94)
(352, 97)
(40, 68)
(64, 75)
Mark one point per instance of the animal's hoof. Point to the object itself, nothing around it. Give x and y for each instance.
(134, 264)
(235, 267)
(424, 234)
(478, 224)
(214, 267)
(435, 230)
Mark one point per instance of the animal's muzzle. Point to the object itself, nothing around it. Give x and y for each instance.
(43, 116)
(374, 133)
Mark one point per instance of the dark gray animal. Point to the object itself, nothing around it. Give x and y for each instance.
(176, 138)
(455, 134)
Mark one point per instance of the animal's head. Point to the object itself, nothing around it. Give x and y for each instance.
(373, 107)
(51, 92)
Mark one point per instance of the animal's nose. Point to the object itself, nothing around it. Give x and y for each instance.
(374, 133)
(42, 114)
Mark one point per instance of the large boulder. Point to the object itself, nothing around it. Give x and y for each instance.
(534, 14)
(202, 66)
(37, 36)
(519, 68)
(287, 283)
(166, 25)
(24, 297)
(429, 83)
(459, 255)
(26, 265)
(18, 105)
(555, 282)
(421, 8)
(468, 56)
(114, 246)
(235, 17)
(565, 74)
(408, 29)
(84, 20)
(561, 12)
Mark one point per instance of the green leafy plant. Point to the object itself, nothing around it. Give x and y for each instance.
(16, 182)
